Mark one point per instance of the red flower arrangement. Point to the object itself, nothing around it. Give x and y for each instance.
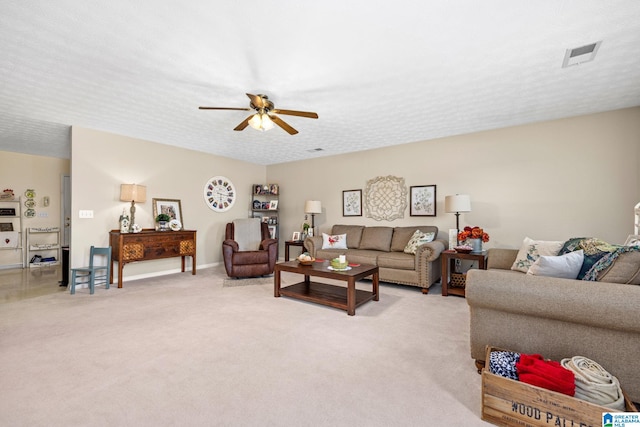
(473, 233)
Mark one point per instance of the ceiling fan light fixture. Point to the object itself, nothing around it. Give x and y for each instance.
(261, 122)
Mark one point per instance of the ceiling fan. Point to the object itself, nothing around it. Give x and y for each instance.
(265, 114)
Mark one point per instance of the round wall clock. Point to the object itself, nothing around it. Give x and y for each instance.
(219, 194)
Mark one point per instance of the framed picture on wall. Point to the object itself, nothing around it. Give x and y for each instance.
(352, 203)
(272, 231)
(422, 200)
(170, 207)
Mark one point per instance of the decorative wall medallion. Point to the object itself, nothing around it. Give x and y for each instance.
(219, 194)
(385, 198)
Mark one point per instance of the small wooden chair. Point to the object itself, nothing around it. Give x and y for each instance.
(93, 274)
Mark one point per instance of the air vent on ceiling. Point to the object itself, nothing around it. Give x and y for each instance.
(579, 55)
(313, 150)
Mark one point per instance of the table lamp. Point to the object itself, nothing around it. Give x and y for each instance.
(313, 207)
(456, 204)
(133, 193)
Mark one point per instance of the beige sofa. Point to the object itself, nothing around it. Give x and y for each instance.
(384, 246)
(559, 318)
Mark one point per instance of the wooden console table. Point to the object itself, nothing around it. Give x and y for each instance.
(150, 244)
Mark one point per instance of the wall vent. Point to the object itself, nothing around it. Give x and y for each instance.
(313, 150)
(579, 55)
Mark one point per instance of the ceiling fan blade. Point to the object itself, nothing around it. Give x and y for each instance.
(244, 124)
(256, 100)
(277, 120)
(307, 114)
(224, 108)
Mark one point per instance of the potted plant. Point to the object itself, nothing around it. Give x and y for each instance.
(162, 220)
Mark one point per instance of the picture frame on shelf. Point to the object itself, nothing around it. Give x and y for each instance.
(265, 206)
(257, 188)
(6, 226)
(422, 200)
(273, 205)
(273, 189)
(171, 207)
(296, 236)
(352, 203)
(265, 219)
(272, 231)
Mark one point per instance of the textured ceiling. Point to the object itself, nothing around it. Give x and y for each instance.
(377, 74)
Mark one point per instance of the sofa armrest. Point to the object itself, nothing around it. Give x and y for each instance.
(501, 258)
(567, 300)
(431, 251)
(312, 244)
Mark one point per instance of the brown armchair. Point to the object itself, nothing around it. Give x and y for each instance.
(248, 250)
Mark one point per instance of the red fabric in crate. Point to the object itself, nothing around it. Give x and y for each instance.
(533, 369)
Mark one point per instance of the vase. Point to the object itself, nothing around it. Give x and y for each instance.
(476, 244)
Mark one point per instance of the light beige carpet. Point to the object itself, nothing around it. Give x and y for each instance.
(229, 282)
(183, 350)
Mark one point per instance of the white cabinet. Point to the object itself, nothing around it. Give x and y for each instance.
(11, 236)
(43, 246)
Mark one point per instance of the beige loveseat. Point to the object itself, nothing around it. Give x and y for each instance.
(384, 246)
(559, 318)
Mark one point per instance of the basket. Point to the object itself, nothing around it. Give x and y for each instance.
(458, 280)
(306, 262)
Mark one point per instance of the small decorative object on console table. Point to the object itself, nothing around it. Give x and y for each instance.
(474, 237)
(163, 221)
(453, 282)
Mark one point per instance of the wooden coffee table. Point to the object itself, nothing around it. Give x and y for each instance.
(323, 293)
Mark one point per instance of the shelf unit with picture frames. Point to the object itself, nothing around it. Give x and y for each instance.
(12, 250)
(265, 205)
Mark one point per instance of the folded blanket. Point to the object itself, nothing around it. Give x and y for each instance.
(594, 384)
(533, 369)
(598, 255)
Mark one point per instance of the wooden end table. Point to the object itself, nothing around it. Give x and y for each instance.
(323, 293)
(449, 258)
(289, 243)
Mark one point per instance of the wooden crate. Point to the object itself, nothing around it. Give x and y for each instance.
(507, 402)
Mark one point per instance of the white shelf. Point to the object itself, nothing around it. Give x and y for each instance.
(16, 224)
(43, 241)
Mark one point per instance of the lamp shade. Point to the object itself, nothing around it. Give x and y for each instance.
(312, 207)
(457, 203)
(133, 193)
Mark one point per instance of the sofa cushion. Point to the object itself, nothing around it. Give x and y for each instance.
(334, 241)
(362, 256)
(401, 235)
(397, 260)
(531, 250)
(418, 238)
(376, 238)
(353, 232)
(563, 266)
(625, 269)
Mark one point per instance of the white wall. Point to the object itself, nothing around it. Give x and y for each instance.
(552, 180)
(102, 161)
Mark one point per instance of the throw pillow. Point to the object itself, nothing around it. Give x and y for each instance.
(336, 241)
(531, 250)
(563, 266)
(418, 239)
